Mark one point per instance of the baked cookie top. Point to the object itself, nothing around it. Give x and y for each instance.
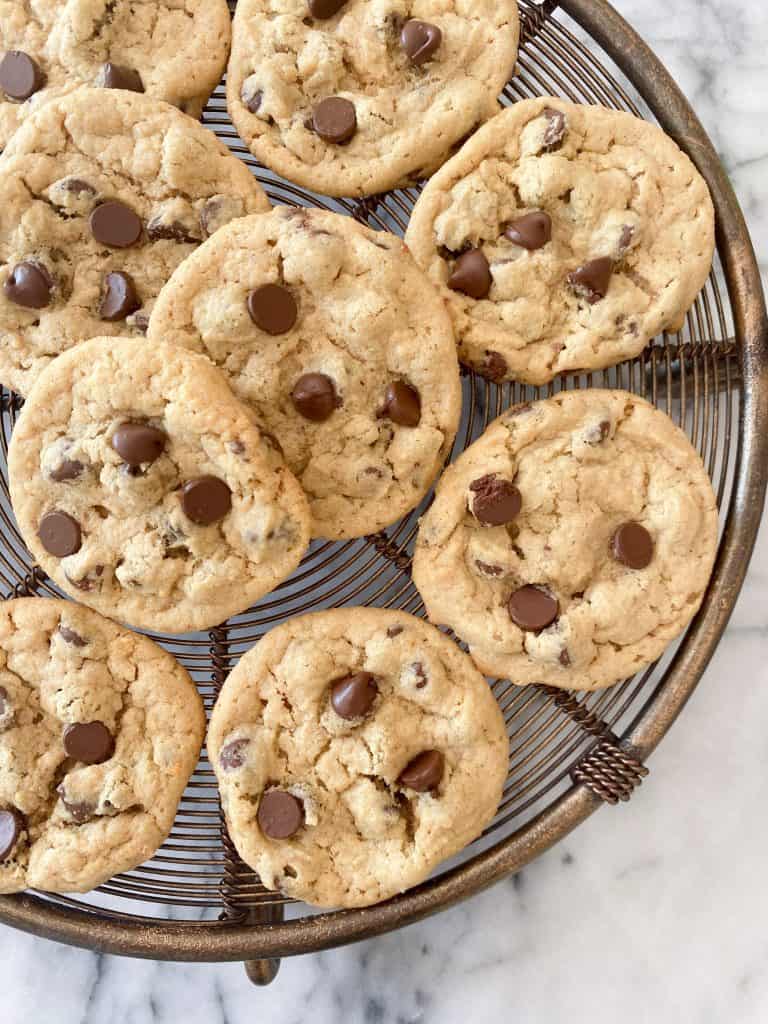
(143, 488)
(571, 542)
(100, 730)
(102, 194)
(354, 98)
(355, 749)
(563, 238)
(341, 347)
(172, 50)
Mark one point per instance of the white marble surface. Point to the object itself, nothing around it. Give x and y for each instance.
(652, 913)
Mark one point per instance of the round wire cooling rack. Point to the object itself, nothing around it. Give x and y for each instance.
(569, 753)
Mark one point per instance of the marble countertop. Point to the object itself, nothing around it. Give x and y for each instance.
(650, 912)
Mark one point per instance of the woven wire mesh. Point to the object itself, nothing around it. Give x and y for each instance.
(693, 376)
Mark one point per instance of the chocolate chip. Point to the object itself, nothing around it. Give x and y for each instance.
(12, 825)
(280, 814)
(424, 772)
(564, 658)
(591, 281)
(532, 608)
(138, 443)
(352, 696)
(206, 500)
(495, 501)
(625, 239)
(116, 76)
(115, 224)
(67, 469)
(158, 230)
(421, 675)
(89, 742)
(394, 631)
(119, 298)
(20, 75)
(59, 534)
(322, 9)
(69, 636)
(555, 130)
(471, 275)
(632, 545)
(532, 231)
(272, 308)
(88, 582)
(314, 397)
(30, 285)
(420, 40)
(233, 755)
(494, 366)
(402, 404)
(253, 100)
(488, 570)
(78, 187)
(334, 119)
(81, 810)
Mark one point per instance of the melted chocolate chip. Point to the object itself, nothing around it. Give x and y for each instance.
(119, 298)
(272, 308)
(394, 631)
(334, 120)
(564, 658)
(69, 636)
(81, 811)
(116, 76)
(494, 367)
(30, 285)
(323, 9)
(314, 397)
(532, 231)
(20, 75)
(592, 280)
(60, 534)
(233, 755)
(280, 814)
(206, 500)
(555, 130)
(424, 772)
(402, 404)
(420, 40)
(532, 608)
(159, 230)
(471, 275)
(116, 225)
(421, 675)
(632, 545)
(89, 742)
(488, 570)
(353, 696)
(12, 824)
(138, 443)
(495, 501)
(67, 469)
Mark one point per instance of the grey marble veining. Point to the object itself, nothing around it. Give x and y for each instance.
(651, 913)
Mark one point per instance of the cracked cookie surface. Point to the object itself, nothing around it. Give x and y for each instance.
(100, 730)
(400, 103)
(103, 193)
(563, 238)
(143, 488)
(173, 50)
(360, 315)
(355, 749)
(571, 542)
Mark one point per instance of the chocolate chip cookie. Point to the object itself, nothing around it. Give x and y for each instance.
(102, 195)
(563, 238)
(172, 50)
(143, 488)
(100, 730)
(341, 347)
(570, 543)
(355, 98)
(355, 749)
